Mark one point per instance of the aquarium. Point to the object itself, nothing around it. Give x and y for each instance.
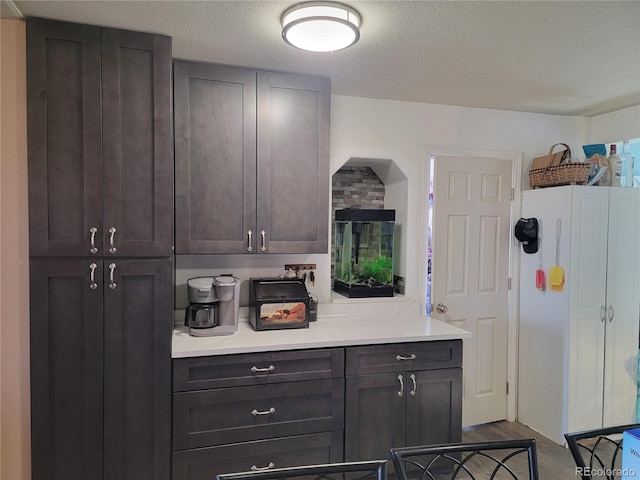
(363, 257)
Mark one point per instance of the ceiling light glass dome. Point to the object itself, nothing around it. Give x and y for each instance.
(321, 26)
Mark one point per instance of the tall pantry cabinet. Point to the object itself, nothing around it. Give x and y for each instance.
(578, 351)
(101, 236)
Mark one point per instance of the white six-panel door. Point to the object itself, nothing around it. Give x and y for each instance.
(471, 235)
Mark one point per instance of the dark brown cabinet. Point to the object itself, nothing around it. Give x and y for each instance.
(100, 368)
(99, 138)
(252, 161)
(275, 409)
(261, 410)
(100, 199)
(293, 451)
(415, 398)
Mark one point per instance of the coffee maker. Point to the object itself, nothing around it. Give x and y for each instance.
(214, 305)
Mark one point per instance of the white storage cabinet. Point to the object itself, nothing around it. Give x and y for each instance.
(578, 348)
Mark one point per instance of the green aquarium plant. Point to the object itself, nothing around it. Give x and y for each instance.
(374, 272)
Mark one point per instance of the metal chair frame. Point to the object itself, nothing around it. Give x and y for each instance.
(328, 471)
(601, 437)
(461, 453)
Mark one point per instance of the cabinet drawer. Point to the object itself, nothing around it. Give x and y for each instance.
(228, 415)
(206, 463)
(256, 368)
(401, 357)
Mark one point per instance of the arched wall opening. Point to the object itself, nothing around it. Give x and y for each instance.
(376, 184)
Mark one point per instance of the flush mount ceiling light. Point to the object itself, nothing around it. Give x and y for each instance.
(321, 26)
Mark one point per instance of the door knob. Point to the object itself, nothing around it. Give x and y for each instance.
(441, 308)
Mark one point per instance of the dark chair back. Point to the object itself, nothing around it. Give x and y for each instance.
(598, 452)
(365, 470)
(491, 460)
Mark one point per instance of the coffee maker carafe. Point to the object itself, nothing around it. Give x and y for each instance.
(214, 305)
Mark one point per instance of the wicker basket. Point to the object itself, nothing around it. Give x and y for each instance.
(556, 175)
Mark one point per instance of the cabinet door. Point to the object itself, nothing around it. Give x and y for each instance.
(66, 370)
(434, 406)
(293, 163)
(374, 415)
(136, 144)
(64, 134)
(215, 142)
(586, 284)
(137, 369)
(623, 308)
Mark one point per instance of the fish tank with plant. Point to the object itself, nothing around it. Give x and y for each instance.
(363, 257)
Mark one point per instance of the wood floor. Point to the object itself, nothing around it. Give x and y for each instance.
(554, 461)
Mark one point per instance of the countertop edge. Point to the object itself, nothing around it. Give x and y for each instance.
(325, 333)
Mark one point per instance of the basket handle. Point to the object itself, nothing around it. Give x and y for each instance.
(566, 154)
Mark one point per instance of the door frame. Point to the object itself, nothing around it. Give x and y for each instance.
(514, 257)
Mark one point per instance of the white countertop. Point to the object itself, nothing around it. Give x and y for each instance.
(329, 331)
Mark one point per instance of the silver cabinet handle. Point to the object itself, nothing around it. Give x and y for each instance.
(92, 284)
(400, 358)
(415, 385)
(401, 391)
(255, 412)
(603, 313)
(112, 268)
(270, 368)
(249, 241)
(263, 246)
(254, 468)
(92, 240)
(611, 313)
(112, 231)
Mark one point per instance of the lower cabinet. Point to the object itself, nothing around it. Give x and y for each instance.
(291, 451)
(259, 411)
(414, 399)
(244, 412)
(101, 368)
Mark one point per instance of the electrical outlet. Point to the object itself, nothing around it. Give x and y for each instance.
(300, 266)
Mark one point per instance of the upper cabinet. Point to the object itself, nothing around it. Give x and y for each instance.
(252, 161)
(99, 138)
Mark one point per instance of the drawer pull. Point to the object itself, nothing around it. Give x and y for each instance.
(410, 357)
(255, 468)
(270, 368)
(255, 412)
(415, 385)
(401, 391)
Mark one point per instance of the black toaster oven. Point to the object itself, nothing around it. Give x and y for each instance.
(278, 303)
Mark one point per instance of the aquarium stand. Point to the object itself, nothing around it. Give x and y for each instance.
(361, 291)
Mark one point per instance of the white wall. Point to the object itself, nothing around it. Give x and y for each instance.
(15, 451)
(405, 131)
(616, 126)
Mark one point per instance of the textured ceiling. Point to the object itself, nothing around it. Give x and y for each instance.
(558, 57)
